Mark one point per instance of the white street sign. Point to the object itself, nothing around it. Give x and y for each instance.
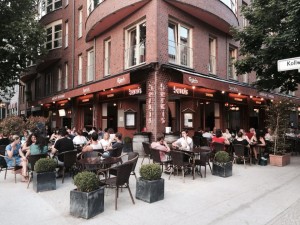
(288, 64)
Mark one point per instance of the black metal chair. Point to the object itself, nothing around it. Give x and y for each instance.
(156, 159)
(3, 164)
(32, 159)
(70, 158)
(197, 141)
(121, 180)
(205, 141)
(239, 152)
(147, 152)
(179, 162)
(203, 161)
(116, 152)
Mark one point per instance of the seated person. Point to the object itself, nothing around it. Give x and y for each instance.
(34, 145)
(116, 143)
(15, 157)
(219, 138)
(227, 134)
(92, 144)
(185, 142)
(162, 146)
(105, 141)
(207, 134)
(239, 140)
(63, 144)
(244, 135)
(256, 142)
(269, 136)
(79, 139)
(4, 140)
(250, 133)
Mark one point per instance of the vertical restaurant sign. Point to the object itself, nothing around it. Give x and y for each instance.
(162, 103)
(150, 101)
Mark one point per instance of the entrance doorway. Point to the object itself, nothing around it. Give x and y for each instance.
(112, 116)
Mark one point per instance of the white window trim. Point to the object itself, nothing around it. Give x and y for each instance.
(59, 79)
(90, 65)
(234, 75)
(42, 11)
(66, 75)
(127, 43)
(52, 25)
(80, 23)
(79, 70)
(107, 57)
(177, 43)
(212, 55)
(66, 34)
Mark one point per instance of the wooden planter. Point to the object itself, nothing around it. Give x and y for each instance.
(44, 181)
(222, 170)
(280, 160)
(86, 204)
(150, 190)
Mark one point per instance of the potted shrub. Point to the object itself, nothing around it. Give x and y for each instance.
(12, 125)
(88, 199)
(127, 144)
(222, 164)
(278, 117)
(150, 187)
(44, 177)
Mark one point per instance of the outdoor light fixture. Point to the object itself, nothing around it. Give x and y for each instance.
(111, 89)
(262, 99)
(251, 96)
(239, 93)
(69, 99)
(193, 87)
(223, 92)
(53, 102)
(115, 104)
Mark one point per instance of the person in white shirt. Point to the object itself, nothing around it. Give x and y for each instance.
(207, 134)
(105, 141)
(79, 139)
(185, 142)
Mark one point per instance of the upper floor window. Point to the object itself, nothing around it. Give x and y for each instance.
(66, 2)
(107, 56)
(66, 76)
(80, 23)
(91, 4)
(79, 70)
(179, 41)
(66, 34)
(231, 61)
(90, 66)
(135, 52)
(212, 55)
(59, 79)
(232, 4)
(47, 6)
(54, 35)
(245, 22)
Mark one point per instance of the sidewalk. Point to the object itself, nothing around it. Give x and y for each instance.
(253, 195)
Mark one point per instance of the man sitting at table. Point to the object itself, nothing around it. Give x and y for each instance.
(162, 146)
(185, 142)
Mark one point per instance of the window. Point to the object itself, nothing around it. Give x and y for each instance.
(80, 69)
(212, 55)
(135, 52)
(48, 84)
(245, 78)
(107, 55)
(66, 2)
(47, 6)
(66, 34)
(231, 61)
(54, 35)
(80, 24)
(245, 22)
(232, 4)
(66, 76)
(92, 4)
(179, 49)
(59, 78)
(90, 66)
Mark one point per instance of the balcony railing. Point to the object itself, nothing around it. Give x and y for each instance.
(135, 54)
(180, 54)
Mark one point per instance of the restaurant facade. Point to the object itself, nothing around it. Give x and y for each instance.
(144, 66)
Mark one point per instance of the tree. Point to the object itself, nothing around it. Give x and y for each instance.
(272, 34)
(21, 40)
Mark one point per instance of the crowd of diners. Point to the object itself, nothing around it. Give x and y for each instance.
(19, 148)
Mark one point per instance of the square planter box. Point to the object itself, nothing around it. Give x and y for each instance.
(86, 204)
(224, 170)
(44, 181)
(280, 160)
(150, 190)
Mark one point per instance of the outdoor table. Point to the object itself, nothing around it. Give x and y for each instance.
(95, 163)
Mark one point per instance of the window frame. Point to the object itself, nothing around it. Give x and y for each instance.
(53, 33)
(107, 57)
(232, 51)
(66, 76)
(212, 45)
(79, 78)
(80, 17)
(90, 65)
(66, 34)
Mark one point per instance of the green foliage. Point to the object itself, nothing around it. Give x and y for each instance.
(272, 34)
(21, 39)
(86, 181)
(222, 157)
(278, 117)
(127, 139)
(150, 172)
(33, 123)
(45, 165)
(12, 125)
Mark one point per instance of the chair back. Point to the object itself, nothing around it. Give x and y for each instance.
(178, 158)
(196, 140)
(69, 158)
(124, 171)
(239, 150)
(218, 146)
(32, 159)
(117, 152)
(155, 155)
(204, 141)
(204, 158)
(132, 156)
(2, 159)
(146, 147)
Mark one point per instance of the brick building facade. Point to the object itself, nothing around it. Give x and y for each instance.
(143, 65)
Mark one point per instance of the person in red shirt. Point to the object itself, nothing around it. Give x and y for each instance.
(219, 138)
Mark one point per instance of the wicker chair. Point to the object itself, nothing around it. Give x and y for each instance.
(239, 152)
(156, 159)
(203, 161)
(32, 159)
(70, 159)
(147, 152)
